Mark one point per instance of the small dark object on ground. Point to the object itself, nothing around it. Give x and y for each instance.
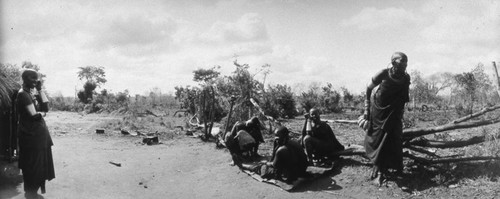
(150, 140)
(116, 164)
(124, 132)
(99, 131)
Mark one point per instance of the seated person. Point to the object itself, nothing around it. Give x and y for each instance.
(318, 138)
(289, 160)
(244, 137)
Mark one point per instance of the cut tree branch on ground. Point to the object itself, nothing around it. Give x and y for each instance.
(448, 160)
(343, 121)
(409, 134)
(483, 111)
(450, 144)
(421, 150)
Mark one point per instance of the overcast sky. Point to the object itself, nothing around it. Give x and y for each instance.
(147, 44)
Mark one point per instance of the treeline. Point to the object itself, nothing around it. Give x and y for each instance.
(277, 101)
(461, 92)
(88, 99)
(210, 99)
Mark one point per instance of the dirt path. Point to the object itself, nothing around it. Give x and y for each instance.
(182, 167)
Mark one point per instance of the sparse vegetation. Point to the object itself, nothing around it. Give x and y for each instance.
(435, 100)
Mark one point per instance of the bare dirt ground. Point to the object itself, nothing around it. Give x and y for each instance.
(186, 167)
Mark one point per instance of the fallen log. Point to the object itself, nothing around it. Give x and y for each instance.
(448, 160)
(483, 111)
(343, 121)
(409, 134)
(450, 144)
(420, 150)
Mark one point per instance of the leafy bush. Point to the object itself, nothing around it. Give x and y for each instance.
(279, 102)
(309, 99)
(60, 103)
(330, 100)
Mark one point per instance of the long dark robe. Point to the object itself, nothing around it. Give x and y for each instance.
(35, 154)
(323, 139)
(383, 141)
(290, 160)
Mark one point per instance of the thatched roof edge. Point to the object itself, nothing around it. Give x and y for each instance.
(7, 88)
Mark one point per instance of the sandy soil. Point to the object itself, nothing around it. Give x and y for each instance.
(180, 167)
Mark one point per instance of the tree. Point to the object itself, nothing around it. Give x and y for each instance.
(187, 97)
(309, 99)
(241, 83)
(94, 77)
(474, 87)
(330, 99)
(484, 86)
(206, 75)
(468, 84)
(279, 101)
(348, 98)
(92, 74)
(440, 81)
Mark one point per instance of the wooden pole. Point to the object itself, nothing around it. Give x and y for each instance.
(212, 110)
(231, 101)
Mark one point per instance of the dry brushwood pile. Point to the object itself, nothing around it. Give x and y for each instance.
(422, 143)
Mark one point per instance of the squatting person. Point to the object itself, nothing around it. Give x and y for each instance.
(244, 137)
(318, 138)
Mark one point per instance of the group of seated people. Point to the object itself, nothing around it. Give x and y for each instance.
(290, 157)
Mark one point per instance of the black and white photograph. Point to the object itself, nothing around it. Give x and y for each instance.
(249, 99)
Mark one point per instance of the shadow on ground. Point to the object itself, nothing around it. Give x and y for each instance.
(326, 182)
(420, 177)
(10, 179)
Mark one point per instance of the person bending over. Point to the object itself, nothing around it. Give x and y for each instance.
(244, 137)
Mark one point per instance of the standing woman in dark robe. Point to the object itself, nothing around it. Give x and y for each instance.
(35, 153)
(384, 112)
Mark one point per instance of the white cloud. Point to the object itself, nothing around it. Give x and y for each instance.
(249, 28)
(455, 29)
(372, 18)
(460, 34)
(134, 35)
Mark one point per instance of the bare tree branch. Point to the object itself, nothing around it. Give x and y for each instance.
(343, 121)
(420, 150)
(483, 111)
(409, 134)
(450, 144)
(448, 160)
